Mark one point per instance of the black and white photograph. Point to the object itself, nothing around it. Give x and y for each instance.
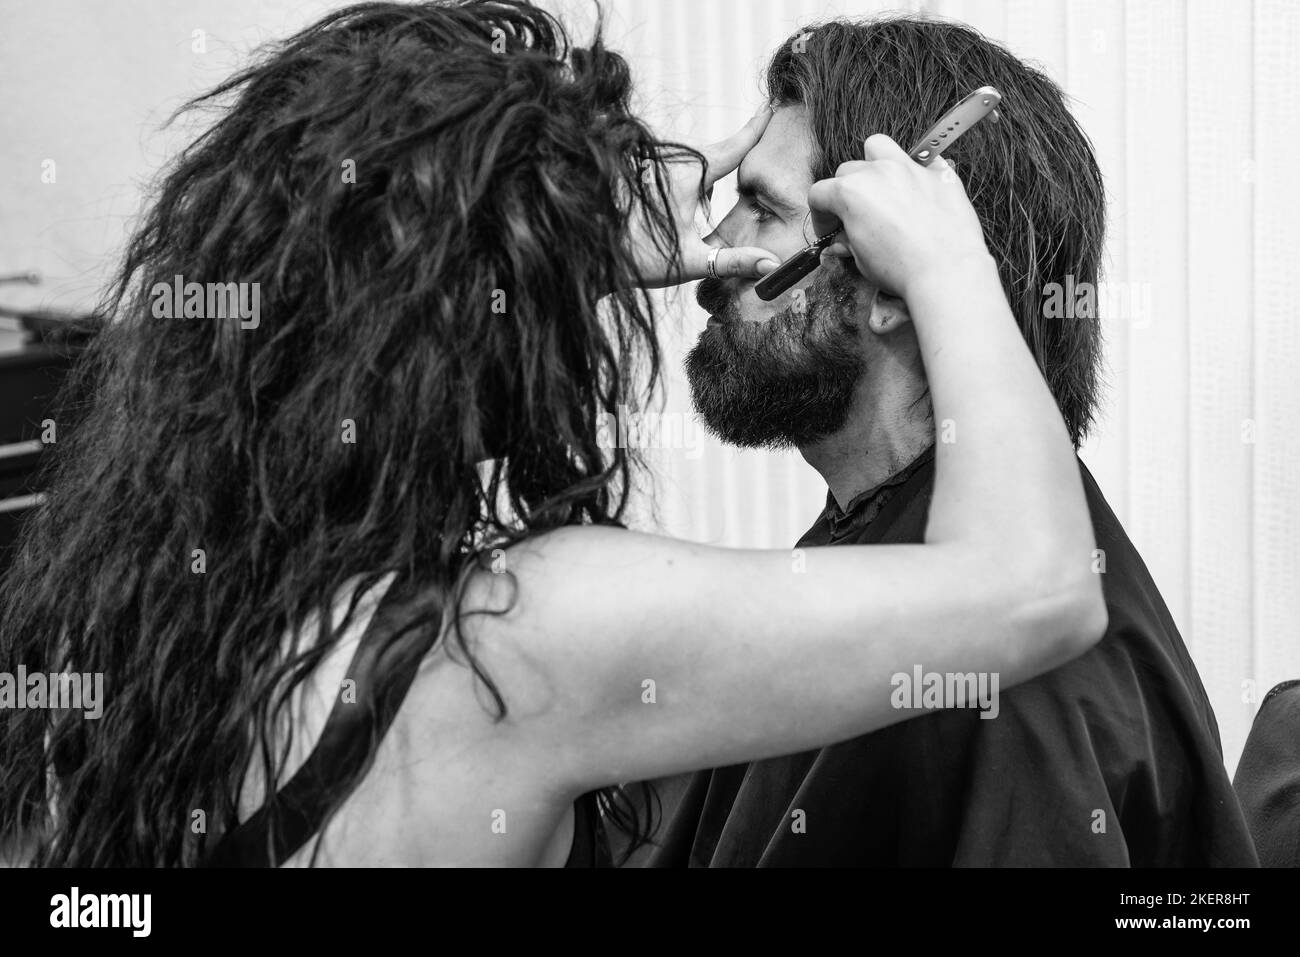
(490, 435)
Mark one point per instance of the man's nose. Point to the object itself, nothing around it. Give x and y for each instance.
(734, 230)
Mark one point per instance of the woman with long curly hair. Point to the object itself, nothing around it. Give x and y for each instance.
(355, 575)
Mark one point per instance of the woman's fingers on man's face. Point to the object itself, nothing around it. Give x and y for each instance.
(725, 156)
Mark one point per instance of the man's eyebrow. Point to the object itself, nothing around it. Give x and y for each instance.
(756, 185)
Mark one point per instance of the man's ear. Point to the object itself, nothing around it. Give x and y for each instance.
(887, 314)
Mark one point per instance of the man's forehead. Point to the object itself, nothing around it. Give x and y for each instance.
(782, 159)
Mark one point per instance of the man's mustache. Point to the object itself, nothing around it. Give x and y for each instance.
(716, 299)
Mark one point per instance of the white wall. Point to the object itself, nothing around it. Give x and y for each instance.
(1194, 108)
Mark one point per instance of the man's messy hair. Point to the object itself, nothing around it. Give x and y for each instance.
(1033, 178)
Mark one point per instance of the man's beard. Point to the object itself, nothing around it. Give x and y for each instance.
(784, 382)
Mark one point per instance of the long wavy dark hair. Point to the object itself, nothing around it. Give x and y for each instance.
(453, 302)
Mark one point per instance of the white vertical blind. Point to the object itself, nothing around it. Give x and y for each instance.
(1219, 121)
(1274, 316)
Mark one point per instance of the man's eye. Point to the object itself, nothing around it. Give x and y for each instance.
(760, 212)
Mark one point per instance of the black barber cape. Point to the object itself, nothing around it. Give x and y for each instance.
(1113, 759)
(1268, 777)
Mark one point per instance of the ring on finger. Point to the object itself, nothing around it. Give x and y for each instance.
(712, 265)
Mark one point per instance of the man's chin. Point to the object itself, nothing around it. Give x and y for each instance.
(756, 428)
(743, 431)
(753, 411)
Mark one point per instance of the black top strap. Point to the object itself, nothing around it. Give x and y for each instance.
(384, 667)
(387, 648)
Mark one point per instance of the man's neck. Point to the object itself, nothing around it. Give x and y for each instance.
(890, 425)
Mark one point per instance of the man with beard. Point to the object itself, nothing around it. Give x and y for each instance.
(1113, 759)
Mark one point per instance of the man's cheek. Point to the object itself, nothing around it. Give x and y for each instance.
(799, 304)
(753, 309)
